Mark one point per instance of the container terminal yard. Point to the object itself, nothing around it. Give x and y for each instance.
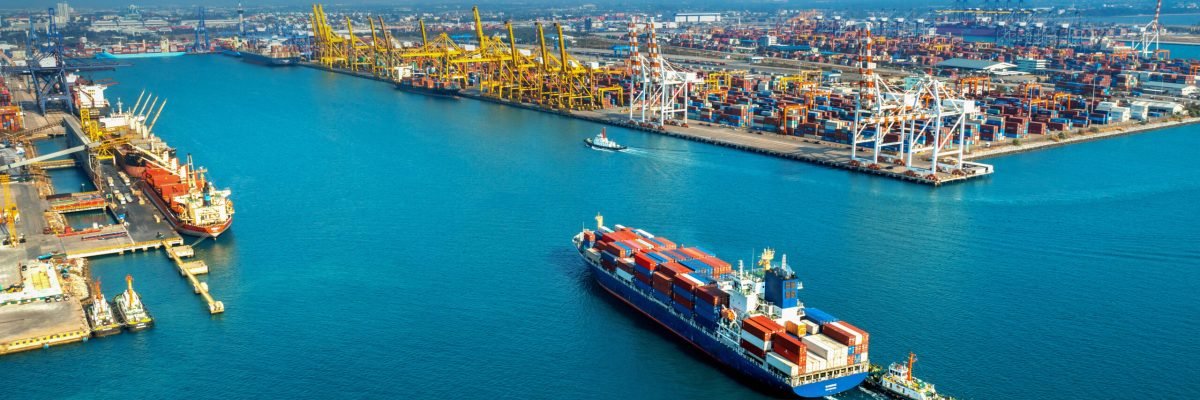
(873, 117)
(910, 100)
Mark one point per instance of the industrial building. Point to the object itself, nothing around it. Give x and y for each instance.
(699, 17)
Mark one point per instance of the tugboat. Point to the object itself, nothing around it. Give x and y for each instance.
(100, 315)
(898, 383)
(131, 310)
(602, 142)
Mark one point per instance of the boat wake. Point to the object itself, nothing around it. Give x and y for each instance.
(871, 393)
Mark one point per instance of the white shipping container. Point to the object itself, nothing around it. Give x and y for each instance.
(813, 327)
(643, 233)
(759, 343)
(813, 363)
(833, 352)
(785, 366)
(648, 245)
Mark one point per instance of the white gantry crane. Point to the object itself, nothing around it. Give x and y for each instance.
(917, 127)
(1148, 46)
(658, 91)
(878, 108)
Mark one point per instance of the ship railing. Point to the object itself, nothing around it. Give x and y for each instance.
(827, 374)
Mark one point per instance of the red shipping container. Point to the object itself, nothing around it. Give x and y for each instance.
(617, 236)
(711, 295)
(844, 333)
(661, 283)
(673, 268)
(645, 261)
(791, 348)
(687, 285)
(757, 352)
(625, 267)
(666, 244)
(682, 301)
(643, 278)
(693, 253)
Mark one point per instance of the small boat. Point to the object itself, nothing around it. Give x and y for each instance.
(602, 142)
(897, 382)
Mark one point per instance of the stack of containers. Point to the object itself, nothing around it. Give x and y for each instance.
(790, 350)
(856, 340)
(708, 304)
(756, 335)
(684, 285)
(662, 286)
(831, 352)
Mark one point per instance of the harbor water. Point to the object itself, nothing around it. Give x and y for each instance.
(391, 245)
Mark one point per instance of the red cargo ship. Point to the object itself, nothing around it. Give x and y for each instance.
(192, 205)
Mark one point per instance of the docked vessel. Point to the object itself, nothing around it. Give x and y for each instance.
(191, 203)
(748, 320)
(428, 86)
(100, 314)
(897, 382)
(602, 142)
(273, 54)
(130, 309)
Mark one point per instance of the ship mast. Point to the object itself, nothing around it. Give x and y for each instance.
(912, 358)
(131, 300)
(599, 221)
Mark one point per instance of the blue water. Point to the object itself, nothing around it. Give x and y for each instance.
(390, 245)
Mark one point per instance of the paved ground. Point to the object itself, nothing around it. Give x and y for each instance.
(35, 319)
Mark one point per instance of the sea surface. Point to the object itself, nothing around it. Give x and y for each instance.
(390, 245)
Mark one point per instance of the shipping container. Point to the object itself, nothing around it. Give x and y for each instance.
(845, 333)
(818, 316)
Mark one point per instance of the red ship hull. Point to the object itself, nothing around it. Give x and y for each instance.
(183, 227)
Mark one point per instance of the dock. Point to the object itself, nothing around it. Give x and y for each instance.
(190, 269)
(50, 310)
(814, 151)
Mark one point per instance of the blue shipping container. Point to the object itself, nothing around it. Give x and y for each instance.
(818, 316)
(642, 286)
(665, 299)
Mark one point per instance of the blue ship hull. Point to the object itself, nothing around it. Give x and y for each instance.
(696, 335)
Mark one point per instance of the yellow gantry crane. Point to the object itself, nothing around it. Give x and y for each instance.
(503, 70)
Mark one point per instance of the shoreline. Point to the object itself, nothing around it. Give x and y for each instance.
(1073, 138)
(803, 148)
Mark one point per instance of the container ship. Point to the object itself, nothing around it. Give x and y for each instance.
(751, 321)
(428, 86)
(100, 314)
(272, 54)
(164, 48)
(131, 310)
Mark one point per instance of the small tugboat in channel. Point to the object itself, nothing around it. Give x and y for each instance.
(602, 142)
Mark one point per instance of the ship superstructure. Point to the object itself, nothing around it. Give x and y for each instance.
(130, 308)
(898, 382)
(100, 314)
(750, 319)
